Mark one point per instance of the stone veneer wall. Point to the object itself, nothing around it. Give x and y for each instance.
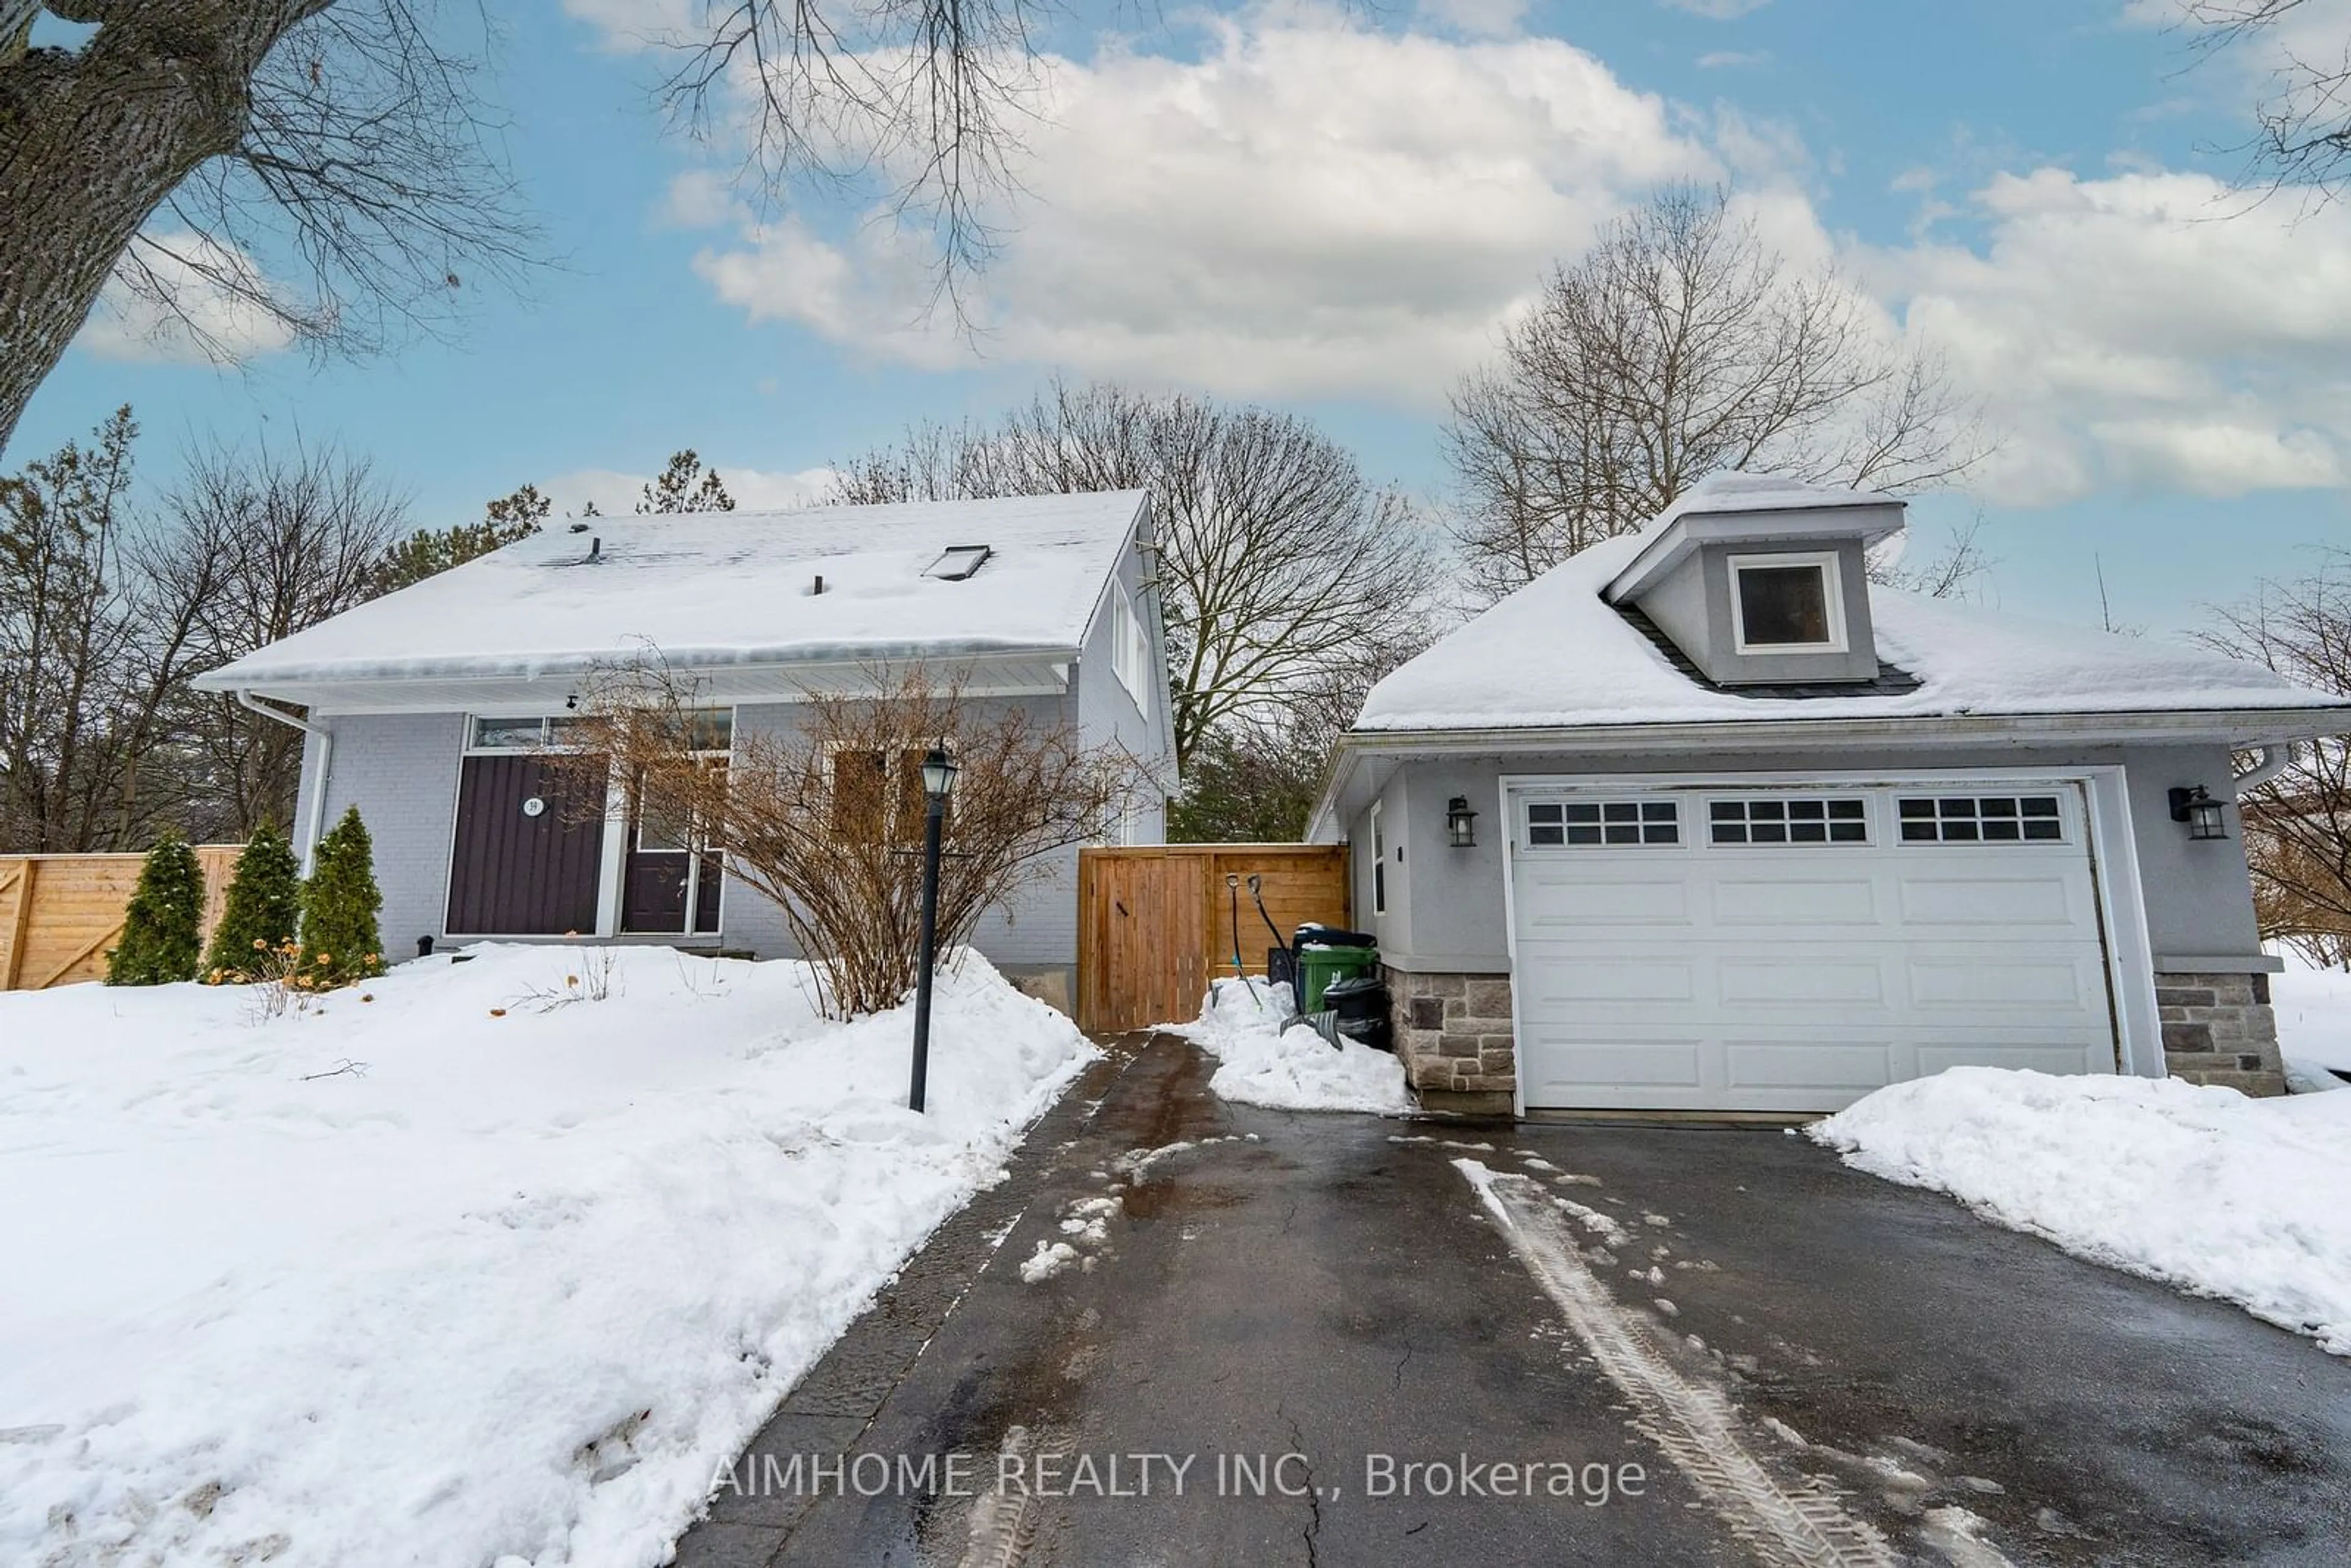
(2219, 1028)
(1453, 1035)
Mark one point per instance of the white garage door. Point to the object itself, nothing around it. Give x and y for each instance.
(1791, 949)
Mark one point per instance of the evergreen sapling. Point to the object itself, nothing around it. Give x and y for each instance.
(162, 927)
(264, 906)
(340, 942)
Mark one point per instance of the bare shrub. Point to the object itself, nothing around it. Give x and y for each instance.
(2298, 825)
(827, 818)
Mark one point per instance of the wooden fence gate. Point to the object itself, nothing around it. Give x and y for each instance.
(59, 914)
(1155, 923)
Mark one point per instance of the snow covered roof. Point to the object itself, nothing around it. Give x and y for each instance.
(1731, 491)
(1556, 655)
(1750, 508)
(729, 589)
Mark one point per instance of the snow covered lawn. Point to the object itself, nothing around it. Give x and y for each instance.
(2313, 1022)
(2202, 1188)
(1261, 1064)
(508, 1289)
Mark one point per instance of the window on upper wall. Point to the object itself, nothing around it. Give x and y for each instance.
(1787, 603)
(1130, 648)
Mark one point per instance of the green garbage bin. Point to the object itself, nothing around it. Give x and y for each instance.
(1319, 965)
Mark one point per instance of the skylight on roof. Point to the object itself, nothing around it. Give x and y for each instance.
(959, 562)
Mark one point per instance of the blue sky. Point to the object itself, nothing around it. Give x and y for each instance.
(1335, 214)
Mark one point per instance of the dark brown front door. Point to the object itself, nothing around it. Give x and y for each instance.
(530, 842)
(662, 877)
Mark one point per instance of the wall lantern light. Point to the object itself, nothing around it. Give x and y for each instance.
(1460, 823)
(2206, 818)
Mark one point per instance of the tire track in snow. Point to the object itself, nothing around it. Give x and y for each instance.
(1696, 1426)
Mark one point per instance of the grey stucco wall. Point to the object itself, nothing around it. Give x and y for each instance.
(401, 771)
(2199, 896)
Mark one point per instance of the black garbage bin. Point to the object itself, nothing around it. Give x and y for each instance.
(1331, 936)
(1362, 1005)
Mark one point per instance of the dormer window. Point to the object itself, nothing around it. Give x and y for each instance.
(1787, 603)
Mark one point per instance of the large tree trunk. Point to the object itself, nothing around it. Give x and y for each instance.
(92, 142)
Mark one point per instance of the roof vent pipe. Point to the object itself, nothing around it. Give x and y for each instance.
(596, 548)
(817, 587)
(2277, 755)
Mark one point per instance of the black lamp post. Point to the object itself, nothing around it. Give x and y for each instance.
(938, 783)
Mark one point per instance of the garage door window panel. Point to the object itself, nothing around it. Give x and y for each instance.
(1593, 824)
(1789, 820)
(1981, 819)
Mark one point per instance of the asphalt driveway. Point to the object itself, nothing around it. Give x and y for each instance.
(1326, 1340)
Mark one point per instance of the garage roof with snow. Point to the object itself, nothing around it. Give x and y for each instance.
(1556, 655)
(731, 589)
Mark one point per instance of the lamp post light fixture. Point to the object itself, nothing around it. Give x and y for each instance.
(1460, 823)
(2206, 818)
(938, 783)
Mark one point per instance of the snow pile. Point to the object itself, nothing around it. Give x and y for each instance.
(1294, 1070)
(466, 1272)
(2314, 1023)
(2200, 1187)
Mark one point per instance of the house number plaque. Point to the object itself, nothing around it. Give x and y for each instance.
(533, 806)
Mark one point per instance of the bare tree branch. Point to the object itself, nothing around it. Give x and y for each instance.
(2302, 122)
(1681, 344)
(824, 819)
(327, 165)
(2298, 825)
(1280, 565)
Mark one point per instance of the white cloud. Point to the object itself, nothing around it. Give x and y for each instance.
(207, 321)
(753, 489)
(697, 199)
(2145, 332)
(1309, 206)
(1732, 60)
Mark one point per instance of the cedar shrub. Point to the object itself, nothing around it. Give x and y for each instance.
(162, 927)
(265, 905)
(340, 942)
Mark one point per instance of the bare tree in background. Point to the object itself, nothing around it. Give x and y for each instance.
(827, 820)
(1682, 343)
(106, 616)
(2298, 825)
(1279, 566)
(255, 546)
(2303, 120)
(191, 148)
(83, 666)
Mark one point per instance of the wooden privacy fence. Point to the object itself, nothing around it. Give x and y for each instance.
(59, 914)
(1155, 923)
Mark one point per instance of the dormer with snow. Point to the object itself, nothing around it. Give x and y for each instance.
(1760, 582)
